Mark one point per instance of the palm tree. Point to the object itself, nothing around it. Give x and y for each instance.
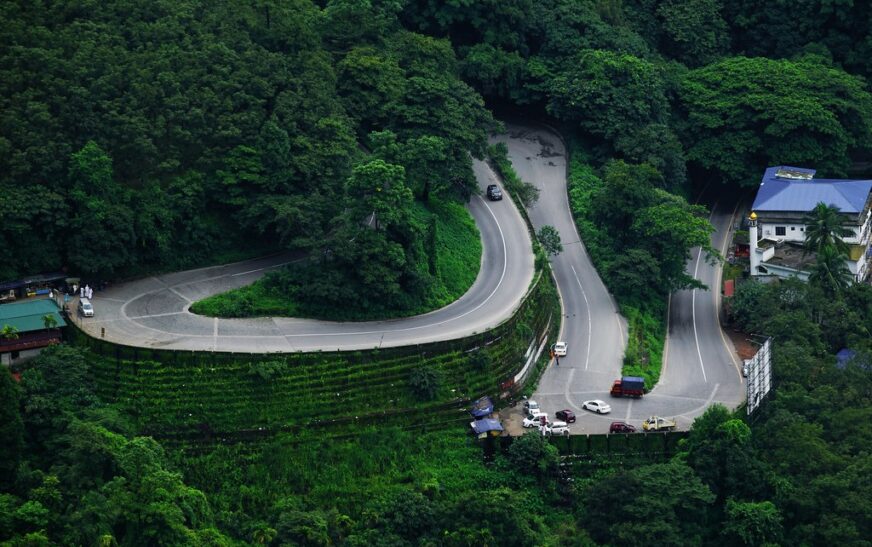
(49, 321)
(824, 229)
(9, 332)
(830, 272)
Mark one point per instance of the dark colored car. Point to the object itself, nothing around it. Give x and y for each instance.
(567, 416)
(494, 193)
(621, 427)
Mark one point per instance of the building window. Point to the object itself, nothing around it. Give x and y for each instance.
(793, 228)
(16, 354)
(780, 231)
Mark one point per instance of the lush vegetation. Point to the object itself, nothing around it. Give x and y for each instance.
(199, 397)
(306, 289)
(75, 471)
(140, 138)
(144, 136)
(639, 236)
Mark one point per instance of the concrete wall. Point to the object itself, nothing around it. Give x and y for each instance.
(23, 355)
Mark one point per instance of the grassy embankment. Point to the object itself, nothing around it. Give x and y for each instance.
(198, 396)
(458, 258)
(647, 324)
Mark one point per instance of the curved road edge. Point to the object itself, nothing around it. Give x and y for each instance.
(153, 312)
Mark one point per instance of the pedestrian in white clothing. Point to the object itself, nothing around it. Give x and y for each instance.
(81, 292)
(90, 293)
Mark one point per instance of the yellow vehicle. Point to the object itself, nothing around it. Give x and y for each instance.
(656, 423)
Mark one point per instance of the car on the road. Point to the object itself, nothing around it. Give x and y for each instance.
(656, 423)
(557, 428)
(494, 193)
(531, 407)
(595, 405)
(85, 308)
(565, 415)
(559, 349)
(535, 420)
(621, 427)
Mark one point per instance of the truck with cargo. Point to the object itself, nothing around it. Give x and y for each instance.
(656, 423)
(628, 386)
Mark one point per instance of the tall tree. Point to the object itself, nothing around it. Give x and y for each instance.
(610, 94)
(742, 114)
(830, 272)
(824, 228)
(693, 31)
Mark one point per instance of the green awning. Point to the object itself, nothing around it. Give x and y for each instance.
(28, 316)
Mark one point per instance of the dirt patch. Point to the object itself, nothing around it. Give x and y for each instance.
(513, 418)
(745, 349)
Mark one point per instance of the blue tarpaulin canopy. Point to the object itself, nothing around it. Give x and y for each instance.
(486, 425)
(482, 407)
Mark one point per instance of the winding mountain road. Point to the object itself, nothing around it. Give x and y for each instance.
(153, 312)
(700, 367)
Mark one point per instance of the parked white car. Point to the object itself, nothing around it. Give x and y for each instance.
(600, 407)
(531, 407)
(535, 420)
(85, 308)
(560, 349)
(557, 428)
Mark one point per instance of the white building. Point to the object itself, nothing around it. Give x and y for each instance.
(784, 200)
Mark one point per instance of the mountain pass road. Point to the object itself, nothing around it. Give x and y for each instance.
(699, 363)
(153, 312)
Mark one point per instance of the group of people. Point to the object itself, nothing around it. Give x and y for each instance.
(86, 292)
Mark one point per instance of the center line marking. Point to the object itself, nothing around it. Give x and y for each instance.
(589, 319)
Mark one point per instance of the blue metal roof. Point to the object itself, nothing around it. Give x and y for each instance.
(486, 425)
(785, 188)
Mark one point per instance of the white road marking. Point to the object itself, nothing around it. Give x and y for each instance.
(693, 315)
(589, 318)
(250, 271)
(350, 333)
(180, 295)
(566, 390)
(703, 406)
(629, 411)
(157, 315)
(693, 302)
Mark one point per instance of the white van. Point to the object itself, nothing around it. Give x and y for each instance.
(85, 308)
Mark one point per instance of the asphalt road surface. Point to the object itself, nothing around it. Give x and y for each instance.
(700, 364)
(153, 312)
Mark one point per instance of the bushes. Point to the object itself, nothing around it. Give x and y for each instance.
(644, 308)
(197, 395)
(308, 289)
(424, 382)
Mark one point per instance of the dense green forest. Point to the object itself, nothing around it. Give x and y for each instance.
(74, 471)
(138, 137)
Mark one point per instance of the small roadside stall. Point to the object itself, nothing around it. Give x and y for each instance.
(37, 285)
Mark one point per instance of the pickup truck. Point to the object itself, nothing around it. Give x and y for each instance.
(656, 423)
(628, 386)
